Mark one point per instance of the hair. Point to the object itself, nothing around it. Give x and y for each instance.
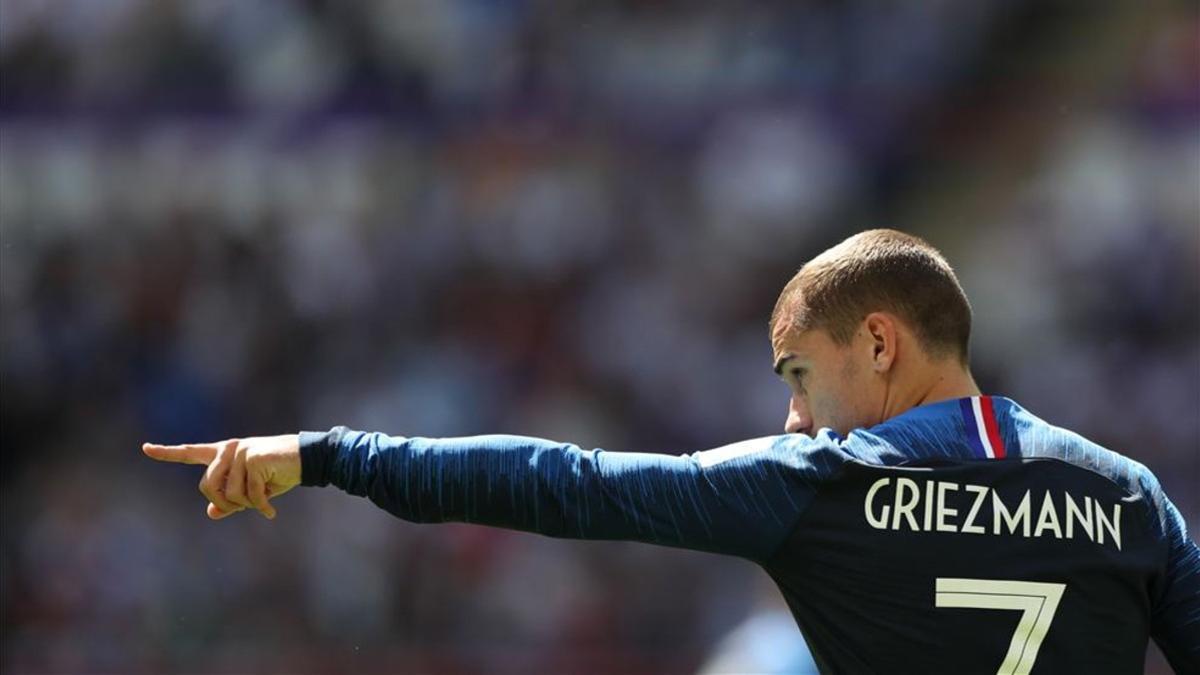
(880, 270)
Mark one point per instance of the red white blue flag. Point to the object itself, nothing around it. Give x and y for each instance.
(983, 432)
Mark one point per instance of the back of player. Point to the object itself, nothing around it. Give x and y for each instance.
(969, 536)
(961, 535)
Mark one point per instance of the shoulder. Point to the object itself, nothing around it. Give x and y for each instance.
(819, 456)
(1040, 439)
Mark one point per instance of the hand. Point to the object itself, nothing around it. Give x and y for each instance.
(242, 472)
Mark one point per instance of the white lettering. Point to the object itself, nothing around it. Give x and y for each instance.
(981, 494)
(1048, 518)
(1073, 514)
(905, 508)
(1000, 512)
(929, 487)
(944, 511)
(881, 522)
(935, 506)
(1103, 523)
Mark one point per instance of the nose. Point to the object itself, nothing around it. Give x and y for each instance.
(799, 420)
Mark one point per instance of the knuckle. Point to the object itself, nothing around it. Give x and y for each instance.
(214, 495)
(234, 493)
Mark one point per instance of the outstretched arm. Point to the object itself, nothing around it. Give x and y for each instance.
(740, 499)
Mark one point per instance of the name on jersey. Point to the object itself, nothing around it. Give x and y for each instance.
(943, 506)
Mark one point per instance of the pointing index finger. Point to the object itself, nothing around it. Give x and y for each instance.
(203, 453)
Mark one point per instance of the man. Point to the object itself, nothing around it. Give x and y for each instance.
(911, 523)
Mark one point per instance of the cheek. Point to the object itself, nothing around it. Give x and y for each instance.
(844, 405)
(829, 409)
(858, 400)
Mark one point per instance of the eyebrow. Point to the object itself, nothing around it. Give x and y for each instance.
(782, 360)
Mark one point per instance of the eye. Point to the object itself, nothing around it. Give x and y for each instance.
(798, 377)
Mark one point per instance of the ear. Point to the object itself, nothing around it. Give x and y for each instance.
(880, 329)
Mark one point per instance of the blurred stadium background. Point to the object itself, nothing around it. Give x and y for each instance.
(564, 219)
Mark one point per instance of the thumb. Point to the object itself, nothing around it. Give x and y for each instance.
(214, 512)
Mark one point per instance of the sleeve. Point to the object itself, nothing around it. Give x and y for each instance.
(1175, 619)
(740, 499)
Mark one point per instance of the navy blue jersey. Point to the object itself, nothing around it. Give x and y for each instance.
(962, 536)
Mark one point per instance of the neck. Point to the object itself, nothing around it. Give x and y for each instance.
(943, 382)
(954, 382)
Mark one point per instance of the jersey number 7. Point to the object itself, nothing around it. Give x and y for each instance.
(1038, 602)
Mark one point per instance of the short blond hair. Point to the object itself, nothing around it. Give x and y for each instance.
(880, 270)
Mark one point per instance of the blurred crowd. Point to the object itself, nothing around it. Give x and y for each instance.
(560, 219)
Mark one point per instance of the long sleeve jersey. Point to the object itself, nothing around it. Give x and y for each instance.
(961, 536)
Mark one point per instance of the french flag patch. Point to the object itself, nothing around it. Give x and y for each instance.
(983, 433)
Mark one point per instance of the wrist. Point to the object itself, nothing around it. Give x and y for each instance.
(318, 449)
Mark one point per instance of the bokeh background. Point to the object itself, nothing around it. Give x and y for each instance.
(565, 219)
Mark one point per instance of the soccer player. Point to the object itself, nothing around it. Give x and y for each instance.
(911, 523)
